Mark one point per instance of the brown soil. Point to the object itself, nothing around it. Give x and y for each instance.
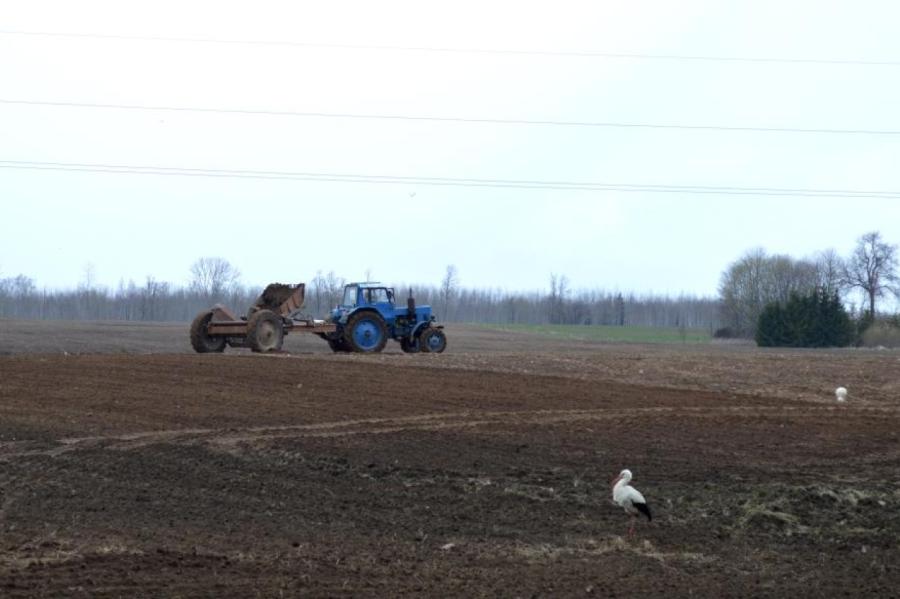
(483, 471)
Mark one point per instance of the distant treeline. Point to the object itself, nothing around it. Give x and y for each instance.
(585, 307)
(159, 301)
(747, 286)
(153, 301)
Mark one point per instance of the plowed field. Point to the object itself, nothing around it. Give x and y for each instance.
(484, 471)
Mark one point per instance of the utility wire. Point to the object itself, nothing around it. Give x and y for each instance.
(447, 181)
(450, 119)
(510, 52)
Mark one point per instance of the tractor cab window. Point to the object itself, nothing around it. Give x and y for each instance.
(349, 296)
(378, 295)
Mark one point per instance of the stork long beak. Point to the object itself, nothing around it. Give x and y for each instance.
(615, 480)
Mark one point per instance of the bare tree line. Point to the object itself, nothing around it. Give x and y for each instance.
(746, 286)
(583, 307)
(214, 280)
(151, 301)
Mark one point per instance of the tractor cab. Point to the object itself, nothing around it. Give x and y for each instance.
(368, 295)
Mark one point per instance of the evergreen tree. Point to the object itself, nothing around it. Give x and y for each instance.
(813, 320)
(841, 330)
(770, 330)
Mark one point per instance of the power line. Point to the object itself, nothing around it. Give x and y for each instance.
(509, 52)
(448, 181)
(451, 119)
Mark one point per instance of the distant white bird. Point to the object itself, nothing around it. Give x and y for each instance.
(630, 498)
(841, 394)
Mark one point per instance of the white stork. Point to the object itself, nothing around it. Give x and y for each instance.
(630, 498)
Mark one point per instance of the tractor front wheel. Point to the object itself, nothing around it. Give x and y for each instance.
(201, 340)
(433, 340)
(265, 331)
(366, 332)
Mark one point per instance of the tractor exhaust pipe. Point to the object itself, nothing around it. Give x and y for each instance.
(411, 304)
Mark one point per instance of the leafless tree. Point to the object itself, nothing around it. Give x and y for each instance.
(756, 279)
(784, 275)
(829, 271)
(334, 289)
(619, 309)
(324, 293)
(449, 285)
(514, 304)
(18, 287)
(151, 298)
(89, 295)
(740, 288)
(317, 293)
(213, 277)
(89, 277)
(873, 268)
(556, 301)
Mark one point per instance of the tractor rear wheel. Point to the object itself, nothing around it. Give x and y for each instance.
(366, 332)
(413, 346)
(201, 340)
(433, 340)
(265, 331)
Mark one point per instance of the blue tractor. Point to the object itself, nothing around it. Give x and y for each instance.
(367, 317)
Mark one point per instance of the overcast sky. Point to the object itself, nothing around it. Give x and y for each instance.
(130, 225)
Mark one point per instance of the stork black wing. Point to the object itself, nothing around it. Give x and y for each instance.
(644, 509)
